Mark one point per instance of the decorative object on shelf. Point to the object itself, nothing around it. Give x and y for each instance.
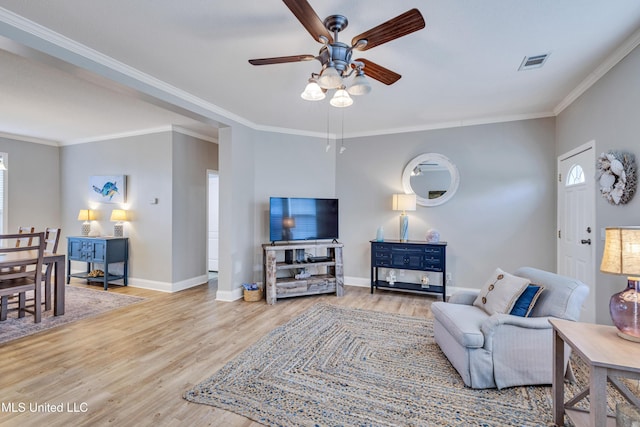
(433, 236)
(391, 277)
(404, 203)
(622, 256)
(118, 216)
(617, 176)
(86, 215)
(425, 281)
(108, 188)
(96, 273)
(380, 234)
(335, 57)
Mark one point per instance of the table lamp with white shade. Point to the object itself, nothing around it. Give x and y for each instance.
(622, 256)
(404, 203)
(118, 216)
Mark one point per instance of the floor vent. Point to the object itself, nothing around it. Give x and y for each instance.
(530, 62)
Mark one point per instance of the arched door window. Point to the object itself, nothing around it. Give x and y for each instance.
(575, 176)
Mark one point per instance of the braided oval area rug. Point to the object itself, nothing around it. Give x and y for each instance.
(335, 366)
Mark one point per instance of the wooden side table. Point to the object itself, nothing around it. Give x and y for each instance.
(608, 357)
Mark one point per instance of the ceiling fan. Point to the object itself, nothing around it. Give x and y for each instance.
(336, 57)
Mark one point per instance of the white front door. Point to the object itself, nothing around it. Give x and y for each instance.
(576, 225)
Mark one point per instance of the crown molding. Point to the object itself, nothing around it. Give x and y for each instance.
(32, 139)
(454, 124)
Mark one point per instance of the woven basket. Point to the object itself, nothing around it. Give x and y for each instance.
(253, 295)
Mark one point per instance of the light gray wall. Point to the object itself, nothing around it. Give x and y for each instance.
(608, 114)
(288, 166)
(167, 166)
(504, 212)
(191, 159)
(237, 204)
(146, 162)
(33, 180)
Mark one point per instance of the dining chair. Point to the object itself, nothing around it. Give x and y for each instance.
(22, 280)
(51, 239)
(24, 240)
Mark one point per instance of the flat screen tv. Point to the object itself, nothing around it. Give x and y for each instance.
(296, 218)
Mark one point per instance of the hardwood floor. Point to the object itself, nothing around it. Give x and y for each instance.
(131, 366)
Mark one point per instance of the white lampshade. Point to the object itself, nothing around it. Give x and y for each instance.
(312, 92)
(86, 215)
(404, 202)
(360, 85)
(118, 215)
(621, 251)
(341, 99)
(330, 78)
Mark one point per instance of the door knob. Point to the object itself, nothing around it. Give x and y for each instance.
(585, 242)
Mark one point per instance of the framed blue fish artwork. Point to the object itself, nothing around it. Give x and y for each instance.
(108, 188)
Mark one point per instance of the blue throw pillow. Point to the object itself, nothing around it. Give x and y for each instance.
(526, 301)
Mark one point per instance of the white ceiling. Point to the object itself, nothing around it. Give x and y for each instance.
(461, 69)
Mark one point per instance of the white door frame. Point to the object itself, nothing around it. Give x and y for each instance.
(209, 173)
(591, 197)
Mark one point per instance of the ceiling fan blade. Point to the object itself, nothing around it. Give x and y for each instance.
(394, 28)
(281, 59)
(309, 19)
(378, 72)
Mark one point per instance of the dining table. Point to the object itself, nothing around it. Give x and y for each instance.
(17, 259)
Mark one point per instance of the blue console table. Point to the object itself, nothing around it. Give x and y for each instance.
(98, 250)
(409, 255)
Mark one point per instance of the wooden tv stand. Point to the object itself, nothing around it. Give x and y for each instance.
(290, 259)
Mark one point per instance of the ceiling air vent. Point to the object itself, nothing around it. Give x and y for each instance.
(530, 62)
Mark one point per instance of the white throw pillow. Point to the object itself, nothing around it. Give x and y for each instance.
(500, 292)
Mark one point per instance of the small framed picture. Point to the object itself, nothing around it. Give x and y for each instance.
(108, 188)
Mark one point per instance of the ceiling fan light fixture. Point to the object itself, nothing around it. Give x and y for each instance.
(360, 85)
(313, 91)
(330, 78)
(341, 99)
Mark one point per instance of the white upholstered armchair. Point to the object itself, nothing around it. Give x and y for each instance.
(503, 350)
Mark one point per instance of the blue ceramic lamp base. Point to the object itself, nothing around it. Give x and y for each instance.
(404, 227)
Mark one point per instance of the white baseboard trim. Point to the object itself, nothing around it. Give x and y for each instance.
(154, 285)
(167, 286)
(359, 282)
(229, 296)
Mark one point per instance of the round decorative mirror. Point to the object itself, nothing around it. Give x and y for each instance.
(432, 177)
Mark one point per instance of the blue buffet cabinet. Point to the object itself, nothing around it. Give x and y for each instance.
(98, 250)
(409, 255)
